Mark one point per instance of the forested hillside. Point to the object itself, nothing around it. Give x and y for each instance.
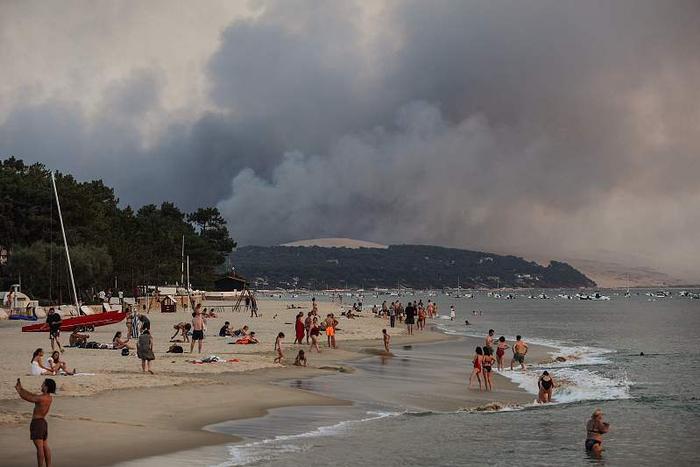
(416, 266)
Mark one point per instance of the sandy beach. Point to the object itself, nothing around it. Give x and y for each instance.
(130, 415)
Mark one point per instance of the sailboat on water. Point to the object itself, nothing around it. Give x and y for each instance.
(83, 322)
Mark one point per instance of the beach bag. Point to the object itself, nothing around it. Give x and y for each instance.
(125, 352)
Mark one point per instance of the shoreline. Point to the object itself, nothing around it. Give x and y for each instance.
(133, 423)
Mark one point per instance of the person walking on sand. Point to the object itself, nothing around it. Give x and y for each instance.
(387, 341)
(500, 352)
(331, 323)
(197, 329)
(486, 367)
(410, 318)
(595, 428)
(452, 313)
(477, 363)
(546, 386)
(519, 352)
(278, 348)
(38, 428)
(314, 332)
(144, 350)
(54, 321)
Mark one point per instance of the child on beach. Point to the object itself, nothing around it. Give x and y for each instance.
(144, 350)
(486, 366)
(387, 340)
(301, 359)
(278, 348)
(477, 362)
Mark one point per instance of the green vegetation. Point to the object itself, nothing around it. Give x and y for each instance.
(106, 241)
(415, 266)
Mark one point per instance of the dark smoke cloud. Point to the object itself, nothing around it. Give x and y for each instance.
(554, 128)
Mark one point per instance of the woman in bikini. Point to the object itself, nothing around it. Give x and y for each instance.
(500, 352)
(487, 365)
(57, 365)
(595, 428)
(546, 385)
(476, 371)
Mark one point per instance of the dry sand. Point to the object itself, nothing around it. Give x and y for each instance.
(130, 415)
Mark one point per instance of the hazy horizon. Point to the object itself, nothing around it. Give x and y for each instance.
(558, 129)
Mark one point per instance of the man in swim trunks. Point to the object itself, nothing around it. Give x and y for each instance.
(489, 341)
(519, 352)
(595, 427)
(39, 429)
(197, 329)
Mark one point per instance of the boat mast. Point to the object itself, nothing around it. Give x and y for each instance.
(65, 243)
(182, 262)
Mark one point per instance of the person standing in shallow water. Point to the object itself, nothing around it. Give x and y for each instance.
(38, 428)
(546, 386)
(519, 352)
(595, 428)
(501, 351)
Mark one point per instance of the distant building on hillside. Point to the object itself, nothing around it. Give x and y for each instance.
(231, 283)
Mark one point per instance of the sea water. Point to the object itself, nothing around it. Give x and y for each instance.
(652, 402)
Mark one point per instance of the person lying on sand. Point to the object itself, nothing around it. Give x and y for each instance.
(183, 329)
(119, 343)
(249, 339)
(54, 362)
(37, 366)
(76, 339)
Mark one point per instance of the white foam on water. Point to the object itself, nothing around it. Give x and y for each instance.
(581, 383)
(268, 449)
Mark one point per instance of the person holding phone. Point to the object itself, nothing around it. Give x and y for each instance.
(38, 428)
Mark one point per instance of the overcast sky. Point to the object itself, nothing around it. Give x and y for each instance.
(551, 128)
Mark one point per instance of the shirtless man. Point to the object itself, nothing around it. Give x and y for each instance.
(595, 428)
(387, 340)
(519, 352)
(197, 329)
(489, 340)
(39, 429)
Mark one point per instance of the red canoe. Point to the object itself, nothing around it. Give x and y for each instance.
(80, 322)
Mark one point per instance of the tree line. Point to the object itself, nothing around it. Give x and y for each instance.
(108, 243)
